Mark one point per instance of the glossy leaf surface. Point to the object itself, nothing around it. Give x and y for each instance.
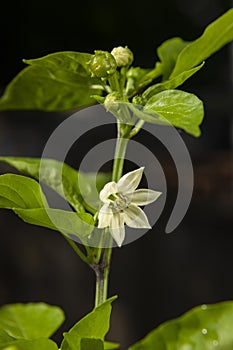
(38, 344)
(177, 108)
(75, 186)
(94, 325)
(30, 321)
(207, 327)
(20, 192)
(24, 196)
(168, 52)
(57, 82)
(59, 176)
(170, 83)
(215, 36)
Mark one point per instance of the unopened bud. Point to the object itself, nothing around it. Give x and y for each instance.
(102, 64)
(112, 101)
(123, 56)
(138, 100)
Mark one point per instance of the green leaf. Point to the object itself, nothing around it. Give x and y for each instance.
(66, 222)
(91, 344)
(69, 61)
(97, 344)
(5, 339)
(138, 77)
(39, 344)
(94, 325)
(135, 77)
(57, 82)
(110, 346)
(78, 188)
(206, 327)
(20, 192)
(30, 321)
(175, 107)
(59, 176)
(215, 36)
(90, 185)
(24, 196)
(170, 83)
(168, 52)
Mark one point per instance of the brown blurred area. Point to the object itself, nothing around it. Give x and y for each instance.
(213, 183)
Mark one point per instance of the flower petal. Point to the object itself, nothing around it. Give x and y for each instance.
(107, 190)
(105, 216)
(143, 196)
(117, 228)
(135, 217)
(130, 181)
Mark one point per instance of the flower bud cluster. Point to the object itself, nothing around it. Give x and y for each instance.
(103, 64)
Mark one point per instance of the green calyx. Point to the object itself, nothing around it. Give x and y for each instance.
(102, 64)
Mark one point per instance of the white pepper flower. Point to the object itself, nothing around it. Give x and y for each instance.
(121, 205)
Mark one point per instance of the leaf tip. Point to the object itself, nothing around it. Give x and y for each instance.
(26, 61)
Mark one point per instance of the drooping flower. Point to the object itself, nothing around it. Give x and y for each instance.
(121, 205)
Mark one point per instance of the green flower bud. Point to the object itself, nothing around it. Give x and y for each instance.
(102, 64)
(112, 101)
(123, 56)
(138, 100)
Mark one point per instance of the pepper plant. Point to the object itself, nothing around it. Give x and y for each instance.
(66, 81)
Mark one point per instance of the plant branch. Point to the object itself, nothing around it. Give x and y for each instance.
(76, 249)
(119, 158)
(102, 269)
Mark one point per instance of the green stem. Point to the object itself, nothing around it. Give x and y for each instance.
(76, 249)
(136, 129)
(99, 287)
(119, 158)
(148, 78)
(114, 82)
(102, 276)
(103, 267)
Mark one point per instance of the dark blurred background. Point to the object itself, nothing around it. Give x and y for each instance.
(159, 276)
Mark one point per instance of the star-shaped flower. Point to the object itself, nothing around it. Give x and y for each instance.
(121, 205)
